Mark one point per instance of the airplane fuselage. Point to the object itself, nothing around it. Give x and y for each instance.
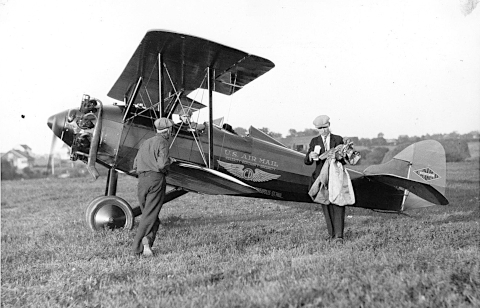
(274, 171)
(119, 144)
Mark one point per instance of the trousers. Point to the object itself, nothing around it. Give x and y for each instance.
(151, 194)
(335, 219)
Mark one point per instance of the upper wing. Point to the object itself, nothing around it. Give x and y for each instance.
(186, 59)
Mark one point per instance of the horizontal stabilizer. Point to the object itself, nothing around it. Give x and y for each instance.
(423, 190)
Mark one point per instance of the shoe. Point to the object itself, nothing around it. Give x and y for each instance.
(147, 251)
(338, 240)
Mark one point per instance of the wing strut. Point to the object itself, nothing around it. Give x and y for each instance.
(132, 97)
(161, 95)
(406, 192)
(210, 116)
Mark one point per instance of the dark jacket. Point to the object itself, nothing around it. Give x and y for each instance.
(334, 141)
(153, 154)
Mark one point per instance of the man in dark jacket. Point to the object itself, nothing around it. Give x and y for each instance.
(334, 214)
(151, 165)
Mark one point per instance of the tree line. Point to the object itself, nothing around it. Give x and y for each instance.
(378, 150)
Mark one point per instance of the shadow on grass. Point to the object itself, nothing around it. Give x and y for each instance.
(301, 206)
(173, 221)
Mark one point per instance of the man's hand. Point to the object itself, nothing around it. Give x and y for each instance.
(313, 156)
(331, 154)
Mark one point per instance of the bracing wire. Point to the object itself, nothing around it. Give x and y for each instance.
(228, 113)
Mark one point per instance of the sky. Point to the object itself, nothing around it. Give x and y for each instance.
(393, 67)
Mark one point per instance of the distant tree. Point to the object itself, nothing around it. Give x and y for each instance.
(456, 150)
(376, 156)
(414, 139)
(474, 133)
(354, 140)
(364, 153)
(471, 135)
(379, 141)
(380, 135)
(453, 135)
(308, 132)
(241, 131)
(8, 171)
(265, 130)
(28, 173)
(365, 142)
(438, 136)
(292, 132)
(402, 139)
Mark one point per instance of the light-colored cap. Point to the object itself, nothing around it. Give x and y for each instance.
(185, 112)
(321, 121)
(163, 123)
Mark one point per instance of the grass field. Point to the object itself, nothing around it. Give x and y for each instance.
(217, 251)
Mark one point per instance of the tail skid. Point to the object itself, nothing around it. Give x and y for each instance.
(420, 170)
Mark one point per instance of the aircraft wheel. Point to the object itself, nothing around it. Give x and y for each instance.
(109, 212)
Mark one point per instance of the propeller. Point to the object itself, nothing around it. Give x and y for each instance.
(50, 161)
(52, 124)
(57, 124)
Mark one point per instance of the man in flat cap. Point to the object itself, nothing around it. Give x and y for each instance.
(334, 214)
(151, 164)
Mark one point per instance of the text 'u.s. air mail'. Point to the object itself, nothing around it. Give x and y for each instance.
(250, 159)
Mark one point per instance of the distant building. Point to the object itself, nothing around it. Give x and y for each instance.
(20, 157)
(391, 141)
(57, 156)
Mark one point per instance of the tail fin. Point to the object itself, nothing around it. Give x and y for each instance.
(420, 169)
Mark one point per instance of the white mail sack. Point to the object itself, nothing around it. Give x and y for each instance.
(340, 189)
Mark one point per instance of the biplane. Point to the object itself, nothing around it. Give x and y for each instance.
(210, 157)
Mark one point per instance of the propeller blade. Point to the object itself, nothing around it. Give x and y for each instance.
(50, 162)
